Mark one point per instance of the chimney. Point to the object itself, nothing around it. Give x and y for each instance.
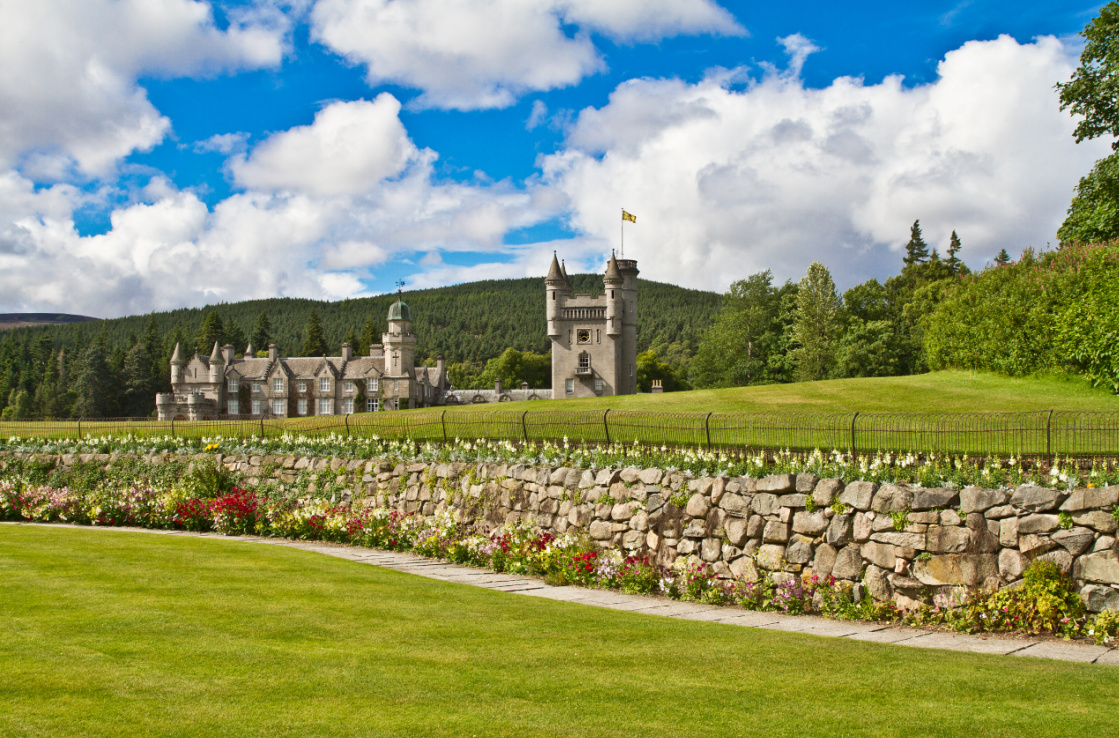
(227, 349)
(273, 352)
(658, 386)
(524, 385)
(376, 350)
(497, 385)
(347, 352)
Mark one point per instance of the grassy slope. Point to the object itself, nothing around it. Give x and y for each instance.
(136, 634)
(948, 391)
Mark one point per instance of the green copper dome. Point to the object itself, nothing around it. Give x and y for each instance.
(399, 311)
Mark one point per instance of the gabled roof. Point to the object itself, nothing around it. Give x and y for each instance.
(252, 368)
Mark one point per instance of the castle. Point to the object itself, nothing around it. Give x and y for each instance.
(594, 353)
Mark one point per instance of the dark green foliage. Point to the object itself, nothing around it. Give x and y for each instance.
(916, 251)
(816, 326)
(746, 344)
(93, 398)
(261, 333)
(649, 367)
(1093, 215)
(1002, 258)
(954, 264)
(867, 349)
(513, 367)
(314, 344)
(211, 331)
(139, 386)
(1093, 91)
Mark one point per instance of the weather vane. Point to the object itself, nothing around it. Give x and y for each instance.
(400, 288)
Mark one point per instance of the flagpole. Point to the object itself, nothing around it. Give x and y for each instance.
(623, 229)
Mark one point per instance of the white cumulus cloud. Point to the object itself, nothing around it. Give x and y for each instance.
(68, 71)
(727, 182)
(468, 54)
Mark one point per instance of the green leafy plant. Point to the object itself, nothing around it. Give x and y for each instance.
(900, 518)
(1064, 520)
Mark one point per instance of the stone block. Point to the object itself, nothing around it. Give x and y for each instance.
(1008, 532)
(697, 506)
(826, 490)
(770, 556)
(950, 517)
(778, 484)
(879, 554)
(824, 560)
(718, 489)
(839, 531)
(978, 499)
(900, 538)
(810, 523)
(621, 511)
(1000, 511)
(1075, 540)
(711, 550)
(858, 495)
(743, 568)
(794, 500)
(600, 530)
(1103, 543)
(1011, 564)
(933, 497)
(861, 528)
(1038, 523)
(947, 539)
(737, 531)
(799, 550)
(1102, 567)
(1036, 499)
(1096, 520)
(969, 570)
(754, 526)
(1098, 598)
(892, 498)
(1091, 499)
(877, 583)
(697, 528)
(1034, 544)
(806, 483)
(765, 504)
(776, 532)
(734, 505)
(650, 476)
(640, 521)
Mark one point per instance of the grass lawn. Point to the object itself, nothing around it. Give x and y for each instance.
(111, 633)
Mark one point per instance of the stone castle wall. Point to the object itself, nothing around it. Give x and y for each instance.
(901, 543)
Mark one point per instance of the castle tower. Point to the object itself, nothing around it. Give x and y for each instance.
(217, 365)
(400, 352)
(177, 364)
(594, 337)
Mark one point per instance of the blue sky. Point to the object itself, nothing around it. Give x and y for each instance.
(163, 153)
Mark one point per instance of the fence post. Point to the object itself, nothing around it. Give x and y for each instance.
(443, 422)
(79, 429)
(172, 426)
(524, 427)
(707, 429)
(346, 420)
(262, 426)
(1049, 438)
(853, 418)
(605, 427)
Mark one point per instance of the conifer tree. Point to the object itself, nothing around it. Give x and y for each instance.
(261, 334)
(139, 389)
(91, 388)
(370, 334)
(314, 344)
(212, 331)
(954, 247)
(234, 336)
(916, 251)
(817, 323)
(1002, 258)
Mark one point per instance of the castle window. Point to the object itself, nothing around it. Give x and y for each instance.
(611, 294)
(372, 384)
(372, 404)
(278, 384)
(349, 386)
(301, 406)
(234, 385)
(234, 407)
(324, 384)
(326, 407)
(348, 406)
(598, 386)
(570, 386)
(584, 363)
(256, 407)
(279, 407)
(598, 335)
(256, 386)
(302, 387)
(553, 295)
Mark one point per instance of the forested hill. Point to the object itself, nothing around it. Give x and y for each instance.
(470, 322)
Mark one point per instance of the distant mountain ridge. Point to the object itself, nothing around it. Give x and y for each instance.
(23, 320)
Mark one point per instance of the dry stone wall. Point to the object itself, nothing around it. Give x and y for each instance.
(900, 543)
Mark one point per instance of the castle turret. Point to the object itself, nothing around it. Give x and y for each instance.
(399, 341)
(558, 289)
(627, 359)
(249, 352)
(177, 364)
(615, 297)
(217, 365)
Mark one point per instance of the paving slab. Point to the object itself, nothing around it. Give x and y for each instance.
(674, 609)
(749, 619)
(973, 644)
(820, 626)
(1084, 652)
(888, 634)
(1111, 658)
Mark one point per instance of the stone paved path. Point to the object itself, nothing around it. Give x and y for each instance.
(531, 587)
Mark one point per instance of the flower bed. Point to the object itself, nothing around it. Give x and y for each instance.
(1047, 602)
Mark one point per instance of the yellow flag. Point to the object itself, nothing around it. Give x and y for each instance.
(629, 216)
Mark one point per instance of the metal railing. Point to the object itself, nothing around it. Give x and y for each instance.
(1041, 434)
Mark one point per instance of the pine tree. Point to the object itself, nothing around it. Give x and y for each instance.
(355, 342)
(91, 386)
(916, 251)
(261, 334)
(954, 247)
(314, 344)
(234, 336)
(1002, 258)
(370, 334)
(211, 332)
(139, 389)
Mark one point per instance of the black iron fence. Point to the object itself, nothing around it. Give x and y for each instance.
(1040, 434)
